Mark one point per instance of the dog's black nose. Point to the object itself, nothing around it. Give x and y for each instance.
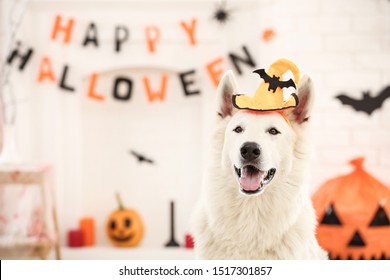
(250, 150)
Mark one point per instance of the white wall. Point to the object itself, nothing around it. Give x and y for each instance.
(89, 142)
(343, 45)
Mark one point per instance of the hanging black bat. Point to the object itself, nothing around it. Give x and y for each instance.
(141, 158)
(274, 81)
(367, 103)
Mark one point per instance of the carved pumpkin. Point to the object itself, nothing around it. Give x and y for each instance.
(124, 226)
(353, 216)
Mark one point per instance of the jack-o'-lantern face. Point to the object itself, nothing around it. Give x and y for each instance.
(353, 214)
(124, 227)
(355, 237)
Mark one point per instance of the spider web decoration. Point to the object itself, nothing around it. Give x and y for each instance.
(14, 19)
(221, 14)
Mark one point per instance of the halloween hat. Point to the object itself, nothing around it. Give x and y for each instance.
(269, 95)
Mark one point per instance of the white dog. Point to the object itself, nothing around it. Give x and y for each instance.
(255, 200)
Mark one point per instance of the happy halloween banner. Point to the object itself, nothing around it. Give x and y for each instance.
(62, 32)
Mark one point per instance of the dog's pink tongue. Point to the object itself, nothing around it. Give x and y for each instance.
(251, 180)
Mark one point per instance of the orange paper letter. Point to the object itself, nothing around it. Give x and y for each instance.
(190, 30)
(215, 74)
(45, 70)
(91, 89)
(158, 94)
(152, 34)
(66, 28)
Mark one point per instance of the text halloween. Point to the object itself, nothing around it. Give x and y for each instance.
(122, 86)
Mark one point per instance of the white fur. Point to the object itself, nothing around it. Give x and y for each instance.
(280, 222)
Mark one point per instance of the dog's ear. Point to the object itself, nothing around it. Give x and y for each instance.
(226, 88)
(302, 112)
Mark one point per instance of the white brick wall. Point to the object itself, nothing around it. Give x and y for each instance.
(349, 7)
(345, 46)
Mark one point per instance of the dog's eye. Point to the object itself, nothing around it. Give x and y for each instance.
(238, 129)
(273, 131)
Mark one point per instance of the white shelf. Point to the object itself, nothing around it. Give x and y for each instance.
(114, 253)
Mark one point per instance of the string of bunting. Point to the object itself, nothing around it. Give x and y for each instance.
(62, 32)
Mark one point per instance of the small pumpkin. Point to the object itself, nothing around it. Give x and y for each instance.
(353, 214)
(124, 227)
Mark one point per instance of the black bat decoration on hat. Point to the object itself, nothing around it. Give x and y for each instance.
(274, 81)
(367, 103)
(141, 158)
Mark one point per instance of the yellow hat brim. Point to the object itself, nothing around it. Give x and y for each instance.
(245, 102)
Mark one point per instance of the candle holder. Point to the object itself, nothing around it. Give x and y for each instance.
(172, 242)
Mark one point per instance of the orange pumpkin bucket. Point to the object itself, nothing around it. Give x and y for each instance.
(353, 216)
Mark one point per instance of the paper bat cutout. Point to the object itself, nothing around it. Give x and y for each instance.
(367, 104)
(274, 81)
(141, 158)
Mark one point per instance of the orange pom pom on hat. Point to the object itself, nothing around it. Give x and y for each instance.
(269, 95)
